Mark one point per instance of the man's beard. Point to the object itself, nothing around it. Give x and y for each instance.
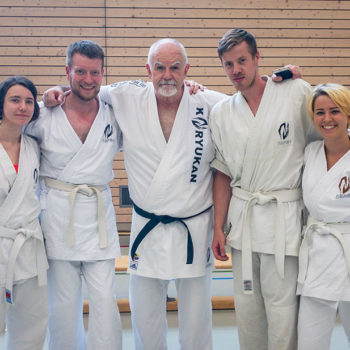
(78, 93)
(167, 88)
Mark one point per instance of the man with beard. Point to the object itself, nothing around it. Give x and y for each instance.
(167, 154)
(79, 140)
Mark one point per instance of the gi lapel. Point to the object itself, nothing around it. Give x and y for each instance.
(84, 151)
(18, 182)
(167, 152)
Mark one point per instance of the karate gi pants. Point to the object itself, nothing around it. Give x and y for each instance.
(316, 322)
(26, 319)
(148, 312)
(267, 319)
(66, 328)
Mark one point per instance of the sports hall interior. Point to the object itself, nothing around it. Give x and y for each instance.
(313, 34)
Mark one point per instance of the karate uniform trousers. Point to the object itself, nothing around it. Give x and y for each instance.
(66, 305)
(148, 312)
(26, 320)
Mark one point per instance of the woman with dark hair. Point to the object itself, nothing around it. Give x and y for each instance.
(23, 264)
(324, 259)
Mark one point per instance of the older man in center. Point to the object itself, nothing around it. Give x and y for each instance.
(167, 152)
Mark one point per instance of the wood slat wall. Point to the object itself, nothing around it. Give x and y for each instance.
(34, 34)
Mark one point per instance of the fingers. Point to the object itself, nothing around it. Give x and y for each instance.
(287, 72)
(276, 78)
(194, 86)
(296, 70)
(218, 247)
(54, 97)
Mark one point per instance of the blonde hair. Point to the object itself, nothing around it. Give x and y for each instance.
(339, 94)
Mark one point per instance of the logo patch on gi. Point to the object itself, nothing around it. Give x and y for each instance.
(135, 262)
(344, 184)
(35, 175)
(227, 229)
(247, 286)
(138, 82)
(208, 255)
(8, 296)
(344, 187)
(108, 132)
(200, 123)
(283, 132)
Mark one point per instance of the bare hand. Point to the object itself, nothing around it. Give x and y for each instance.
(194, 86)
(296, 71)
(54, 96)
(218, 246)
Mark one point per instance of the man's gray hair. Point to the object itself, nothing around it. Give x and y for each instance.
(155, 46)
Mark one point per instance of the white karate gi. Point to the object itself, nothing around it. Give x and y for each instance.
(263, 155)
(168, 178)
(23, 262)
(78, 249)
(324, 273)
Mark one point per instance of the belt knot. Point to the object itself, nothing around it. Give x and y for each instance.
(27, 233)
(165, 219)
(322, 229)
(85, 189)
(262, 198)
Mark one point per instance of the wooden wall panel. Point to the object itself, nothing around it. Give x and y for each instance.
(34, 34)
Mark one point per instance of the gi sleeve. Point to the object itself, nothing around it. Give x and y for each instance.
(34, 128)
(105, 94)
(311, 133)
(218, 162)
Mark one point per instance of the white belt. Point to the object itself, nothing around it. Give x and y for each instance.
(337, 230)
(19, 237)
(87, 190)
(262, 198)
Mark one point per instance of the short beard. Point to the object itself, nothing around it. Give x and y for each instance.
(167, 89)
(77, 93)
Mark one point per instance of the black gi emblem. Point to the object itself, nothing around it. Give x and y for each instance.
(35, 175)
(283, 131)
(208, 255)
(108, 132)
(200, 123)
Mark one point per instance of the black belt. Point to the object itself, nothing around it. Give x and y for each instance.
(154, 220)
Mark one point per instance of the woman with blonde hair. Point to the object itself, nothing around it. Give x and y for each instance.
(324, 260)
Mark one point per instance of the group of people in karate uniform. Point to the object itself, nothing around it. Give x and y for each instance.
(259, 143)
